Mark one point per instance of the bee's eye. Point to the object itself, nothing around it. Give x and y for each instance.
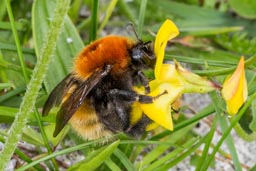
(143, 53)
(137, 52)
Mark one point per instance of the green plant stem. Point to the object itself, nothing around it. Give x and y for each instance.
(223, 125)
(207, 144)
(143, 6)
(94, 20)
(45, 139)
(62, 152)
(16, 37)
(35, 83)
(182, 156)
(23, 156)
(227, 132)
(126, 11)
(227, 67)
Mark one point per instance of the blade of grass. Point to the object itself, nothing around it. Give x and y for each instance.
(224, 126)
(203, 31)
(6, 25)
(5, 85)
(74, 8)
(171, 155)
(17, 42)
(94, 20)
(109, 11)
(233, 122)
(125, 9)
(23, 156)
(223, 71)
(11, 47)
(12, 93)
(8, 66)
(161, 148)
(2, 10)
(44, 137)
(35, 83)
(125, 161)
(143, 5)
(230, 143)
(97, 160)
(253, 168)
(11, 112)
(182, 156)
(62, 152)
(207, 145)
(112, 165)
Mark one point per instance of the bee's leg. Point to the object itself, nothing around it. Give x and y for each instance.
(139, 128)
(144, 81)
(130, 96)
(119, 99)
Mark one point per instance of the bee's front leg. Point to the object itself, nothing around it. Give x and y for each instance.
(130, 96)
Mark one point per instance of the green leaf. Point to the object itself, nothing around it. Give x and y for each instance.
(245, 128)
(252, 125)
(188, 17)
(68, 44)
(171, 157)
(112, 165)
(208, 142)
(95, 159)
(244, 8)
(49, 129)
(32, 136)
(124, 160)
(161, 148)
(233, 122)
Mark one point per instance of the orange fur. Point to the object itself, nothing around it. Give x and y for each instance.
(109, 50)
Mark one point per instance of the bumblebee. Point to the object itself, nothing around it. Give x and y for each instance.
(96, 97)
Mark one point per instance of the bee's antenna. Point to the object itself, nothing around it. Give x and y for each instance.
(131, 26)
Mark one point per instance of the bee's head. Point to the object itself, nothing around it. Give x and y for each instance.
(143, 53)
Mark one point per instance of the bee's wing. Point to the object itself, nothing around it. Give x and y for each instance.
(74, 101)
(56, 96)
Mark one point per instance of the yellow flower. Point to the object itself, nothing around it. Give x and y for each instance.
(234, 89)
(191, 83)
(167, 31)
(170, 82)
(160, 110)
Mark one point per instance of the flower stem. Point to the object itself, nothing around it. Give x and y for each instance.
(35, 83)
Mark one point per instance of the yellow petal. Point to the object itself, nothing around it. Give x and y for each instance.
(179, 76)
(136, 113)
(235, 90)
(169, 74)
(151, 126)
(167, 31)
(160, 110)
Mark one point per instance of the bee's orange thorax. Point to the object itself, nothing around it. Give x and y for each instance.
(113, 50)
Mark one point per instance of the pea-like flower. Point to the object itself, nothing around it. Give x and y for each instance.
(234, 89)
(170, 81)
